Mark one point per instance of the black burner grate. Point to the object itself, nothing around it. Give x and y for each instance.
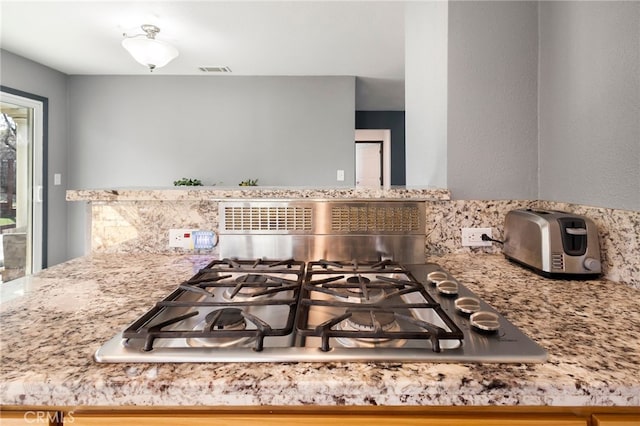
(331, 297)
(216, 288)
(336, 302)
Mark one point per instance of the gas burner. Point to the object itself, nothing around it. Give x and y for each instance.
(363, 294)
(227, 319)
(354, 265)
(249, 287)
(370, 322)
(358, 279)
(259, 263)
(243, 293)
(355, 289)
(252, 278)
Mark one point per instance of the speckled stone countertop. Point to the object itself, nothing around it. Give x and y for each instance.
(187, 193)
(51, 325)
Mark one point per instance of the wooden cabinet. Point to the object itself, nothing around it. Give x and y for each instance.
(616, 419)
(320, 416)
(377, 416)
(316, 420)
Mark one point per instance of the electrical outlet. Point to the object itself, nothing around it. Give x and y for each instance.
(340, 175)
(181, 238)
(472, 237)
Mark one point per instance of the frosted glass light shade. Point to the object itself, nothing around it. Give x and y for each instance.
(150, 52)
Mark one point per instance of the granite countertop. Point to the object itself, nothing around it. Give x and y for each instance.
(52, 323)
(191, 193)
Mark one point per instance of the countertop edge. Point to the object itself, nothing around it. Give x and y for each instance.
(215, 194)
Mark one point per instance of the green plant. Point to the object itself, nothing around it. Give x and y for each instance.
(249, 182)
(187, 182)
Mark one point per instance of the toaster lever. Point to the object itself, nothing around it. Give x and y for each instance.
(576, 231)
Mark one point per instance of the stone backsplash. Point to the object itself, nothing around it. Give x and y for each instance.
(619, 230)
(125, 225)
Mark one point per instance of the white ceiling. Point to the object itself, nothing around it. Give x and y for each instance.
(360, 38)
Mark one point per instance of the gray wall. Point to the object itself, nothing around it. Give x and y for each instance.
(544, 102)
(426, 45)
(127, 131)
(379, 94)
(590, 103)
(22, 74)
(492, 147)
(152, 130)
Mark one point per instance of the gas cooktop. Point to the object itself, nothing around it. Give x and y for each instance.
(286, 311)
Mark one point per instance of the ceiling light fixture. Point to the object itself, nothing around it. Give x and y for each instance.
(149, 51)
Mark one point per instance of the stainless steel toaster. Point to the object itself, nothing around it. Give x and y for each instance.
(552, 243)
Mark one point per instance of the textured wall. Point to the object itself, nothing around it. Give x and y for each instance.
(22, 74)
(152, 130)
(590, 103)
(492, 100)
(426, 93)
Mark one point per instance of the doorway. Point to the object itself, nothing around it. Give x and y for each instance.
(373, 158)
(22, 130)
(369, 164)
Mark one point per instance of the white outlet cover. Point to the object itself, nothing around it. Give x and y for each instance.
(472, 237)
(181, 238)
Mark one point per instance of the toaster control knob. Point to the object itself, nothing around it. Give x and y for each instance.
(592, 264)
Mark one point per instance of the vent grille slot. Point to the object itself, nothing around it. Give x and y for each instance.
(557, 261)
(222, 69)
(267, 218)
(364, 218)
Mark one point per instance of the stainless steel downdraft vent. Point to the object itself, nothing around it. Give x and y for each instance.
(371, 217)
(323, 229)
(221, 69)
(322, 217)
(267, 218)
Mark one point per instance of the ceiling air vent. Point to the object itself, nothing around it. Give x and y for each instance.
(215, 69)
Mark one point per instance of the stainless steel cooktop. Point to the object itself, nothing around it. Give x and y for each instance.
(321, 311)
